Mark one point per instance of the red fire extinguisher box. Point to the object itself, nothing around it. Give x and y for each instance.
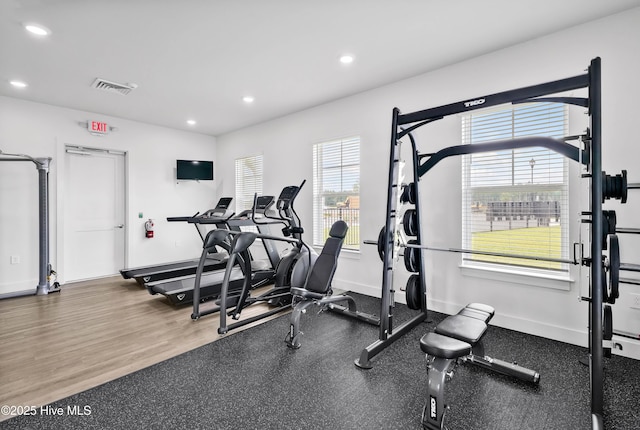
(148, 228)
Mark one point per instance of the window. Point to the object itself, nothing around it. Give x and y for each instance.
(516, 201)
(248, 181)
(336, 189)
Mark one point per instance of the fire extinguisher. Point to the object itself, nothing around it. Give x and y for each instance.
(148, 228)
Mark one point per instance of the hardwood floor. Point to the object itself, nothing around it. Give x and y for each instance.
(90, 333)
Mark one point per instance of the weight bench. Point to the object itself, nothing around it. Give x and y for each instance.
(317, 288)
(459, 337)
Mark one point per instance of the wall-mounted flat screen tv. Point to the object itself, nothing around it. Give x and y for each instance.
(194, 170)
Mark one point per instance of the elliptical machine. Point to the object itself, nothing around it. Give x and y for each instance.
(293, 267)
(291, 270)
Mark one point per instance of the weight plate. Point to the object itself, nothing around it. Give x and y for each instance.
(412, 257)
(613, 220)
(412, 292)
(605, 289)
(608, 226)
(614, 187)
(404, 197)
(606, 186)
(614, 268)
(381, 238)
(409, 193)
(607, 328)
(410, 222)
(607, 323)
(605, 230)
(623, 186)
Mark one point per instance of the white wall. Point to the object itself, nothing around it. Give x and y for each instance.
(43, 131)
(556, 313)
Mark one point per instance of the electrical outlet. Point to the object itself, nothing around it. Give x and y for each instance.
(15, 259)
(635, 301)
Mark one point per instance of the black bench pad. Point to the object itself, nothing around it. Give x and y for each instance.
(482, 308)
(466, 329)
(472, 313)
(437, 345)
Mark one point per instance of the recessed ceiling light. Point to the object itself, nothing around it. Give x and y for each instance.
(248, 99)
(191, 122)
(346, 59)
(37, 29)
(18, 84)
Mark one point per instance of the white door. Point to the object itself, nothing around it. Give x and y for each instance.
(94, 238)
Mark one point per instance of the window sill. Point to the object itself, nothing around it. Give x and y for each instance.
(558, 282)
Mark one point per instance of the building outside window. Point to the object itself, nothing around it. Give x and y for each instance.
(336, 189)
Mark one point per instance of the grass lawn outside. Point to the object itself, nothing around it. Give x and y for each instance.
(531, 241)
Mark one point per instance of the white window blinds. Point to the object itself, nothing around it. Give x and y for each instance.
(516, 201)
(336, 189)
(248, 181)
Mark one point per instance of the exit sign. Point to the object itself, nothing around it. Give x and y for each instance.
(98, 127)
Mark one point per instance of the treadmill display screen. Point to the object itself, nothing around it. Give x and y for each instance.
(263, 202)
(224, 203)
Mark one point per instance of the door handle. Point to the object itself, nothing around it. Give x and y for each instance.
(120, 226)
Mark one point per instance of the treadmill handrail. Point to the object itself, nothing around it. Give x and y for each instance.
(210, 220)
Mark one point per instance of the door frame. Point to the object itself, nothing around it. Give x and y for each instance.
(61, 190)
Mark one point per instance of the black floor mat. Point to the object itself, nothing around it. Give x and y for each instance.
(251, 380)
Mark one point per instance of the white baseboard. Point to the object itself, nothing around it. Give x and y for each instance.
(19, 288)
(17, 294)
(630, 347)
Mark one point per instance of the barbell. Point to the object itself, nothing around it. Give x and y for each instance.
(610, 261)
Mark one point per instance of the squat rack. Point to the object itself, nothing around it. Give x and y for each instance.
(591, 157)
(42, 165)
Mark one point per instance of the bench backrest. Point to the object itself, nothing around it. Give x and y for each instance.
(320, 276)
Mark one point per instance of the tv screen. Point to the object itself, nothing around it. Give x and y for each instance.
(194, 170)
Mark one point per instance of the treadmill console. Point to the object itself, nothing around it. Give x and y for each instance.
(219, 210)
(217, 215)
(224, 203)
(263, 203)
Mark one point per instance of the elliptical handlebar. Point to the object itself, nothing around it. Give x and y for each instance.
(253, 212)
(292, 224)
(282, 206)
(298, 226)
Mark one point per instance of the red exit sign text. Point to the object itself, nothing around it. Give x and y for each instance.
(98, 127)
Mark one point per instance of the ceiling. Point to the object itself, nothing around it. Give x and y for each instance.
(197, 59)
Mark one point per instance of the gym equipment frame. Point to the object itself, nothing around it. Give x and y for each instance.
(290, 271)
(460, 338)
(45, 270)
(317, 288)
(590, 156)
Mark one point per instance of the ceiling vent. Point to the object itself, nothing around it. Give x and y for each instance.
(113, 87)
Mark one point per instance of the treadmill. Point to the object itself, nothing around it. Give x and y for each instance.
(179, 290)
(216, 261)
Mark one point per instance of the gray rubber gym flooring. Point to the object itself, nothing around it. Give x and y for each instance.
(251, 380)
